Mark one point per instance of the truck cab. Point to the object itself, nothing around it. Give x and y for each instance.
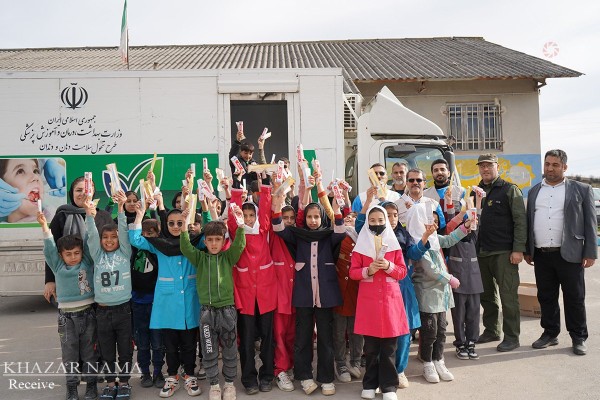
(387, 133)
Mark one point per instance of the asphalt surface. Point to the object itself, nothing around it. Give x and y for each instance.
(28, 333)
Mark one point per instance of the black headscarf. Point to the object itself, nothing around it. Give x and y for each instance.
(178, 194)
(167, 243)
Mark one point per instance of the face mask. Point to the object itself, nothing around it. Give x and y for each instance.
(377, 229)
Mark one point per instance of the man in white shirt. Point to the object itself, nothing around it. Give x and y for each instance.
(561, 243)
(415, 187)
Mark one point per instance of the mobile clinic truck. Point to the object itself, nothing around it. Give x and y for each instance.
(57, 125)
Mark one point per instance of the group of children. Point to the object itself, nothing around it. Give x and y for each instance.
(257, 269)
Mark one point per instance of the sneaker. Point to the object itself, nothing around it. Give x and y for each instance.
(328, 389)
(342, 374)
(170, 386)
(123, 392)
(308, 385)
(442, 371)
(91, 391)
(146, 380)
(430, 373)
(158, 380)
(250, 390)
(354, 370)
(191, 385)
(228, 391)
(215, 392)
(108, 393)
(265, 385)
(284, 382)
(390, 396)
(367, 394)
(72, 392)
(471, 351)
(363, 361)
(461, 352)
(402, 381)
(201, 374)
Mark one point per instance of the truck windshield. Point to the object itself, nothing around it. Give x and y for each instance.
(414, 156)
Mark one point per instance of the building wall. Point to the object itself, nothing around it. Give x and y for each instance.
(520, 160)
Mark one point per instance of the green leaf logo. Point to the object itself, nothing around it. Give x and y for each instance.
(132, 180)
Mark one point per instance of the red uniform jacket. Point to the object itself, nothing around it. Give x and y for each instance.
(254, 275)
(284, 270)
(348, 287)
(380, 309)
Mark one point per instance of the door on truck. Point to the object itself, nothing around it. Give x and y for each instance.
(258, 115)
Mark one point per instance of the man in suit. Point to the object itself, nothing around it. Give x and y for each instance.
(561, 243)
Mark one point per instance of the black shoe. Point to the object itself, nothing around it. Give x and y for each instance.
(487, 337)
(544, 341)
(108, 393)
(579, 347)
(471, 351)
(251, 390)
(91, 391)
(265, 386)
(72, 392)
(508, 345)
(461, 352)
(158, 380)
(146, 380)
(100, 379)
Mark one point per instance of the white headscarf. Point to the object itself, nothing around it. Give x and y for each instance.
(416, 218)
(365, 244)
(255, 229)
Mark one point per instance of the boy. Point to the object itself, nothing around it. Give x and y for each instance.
(111, 253)
(144, 274)
(218, 316)
(72, 266)
(244, 151)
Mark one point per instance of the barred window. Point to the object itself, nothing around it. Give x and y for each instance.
(475, 126)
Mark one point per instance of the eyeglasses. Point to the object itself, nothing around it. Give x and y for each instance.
(380, 173)
(419, 180)
(172, 223)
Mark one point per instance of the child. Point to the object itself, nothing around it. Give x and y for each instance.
(344, 316)
(316, 290)
(243, 150)
(144, 274)
(176, 308)
(255, 289)
(111, 253)
(217, 314)
(284, 320)
(378, 264)
(73, 267)
(432, 287)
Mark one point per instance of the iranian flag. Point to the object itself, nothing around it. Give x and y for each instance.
(124, 46)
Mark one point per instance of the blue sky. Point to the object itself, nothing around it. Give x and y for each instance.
(569, 111)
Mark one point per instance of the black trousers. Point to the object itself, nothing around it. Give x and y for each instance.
(115, 333)
(465, 318)
(303, 349)
(380, 371)
(250, 327)
(432, 336)
(180, 348)
(552, 272)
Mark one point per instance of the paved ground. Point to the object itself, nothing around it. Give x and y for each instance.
(28, 333)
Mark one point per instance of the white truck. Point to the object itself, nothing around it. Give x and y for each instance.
(58, 125)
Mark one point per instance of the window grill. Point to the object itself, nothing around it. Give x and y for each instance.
(350, 123)
(476, 126)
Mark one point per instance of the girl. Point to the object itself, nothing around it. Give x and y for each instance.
(316, 290)
(378, 264)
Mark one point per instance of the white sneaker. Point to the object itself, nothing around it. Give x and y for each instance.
(328, 389)
(191, 385)
(215, 392)
(442, 371)
(229, 391)
(430, 373)
(367, 394)
(171, 385)
(354, 370)
(284, 382)
(390, 396)
(402, 381)
(342, 374)
(308, 385)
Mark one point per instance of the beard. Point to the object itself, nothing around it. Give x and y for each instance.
(399, 182)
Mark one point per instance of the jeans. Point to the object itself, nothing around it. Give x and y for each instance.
(77, 333)
(218, 326)
(146, 339)
(115, 334)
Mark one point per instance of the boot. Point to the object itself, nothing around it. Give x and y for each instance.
(72, 391)
(91, 391)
